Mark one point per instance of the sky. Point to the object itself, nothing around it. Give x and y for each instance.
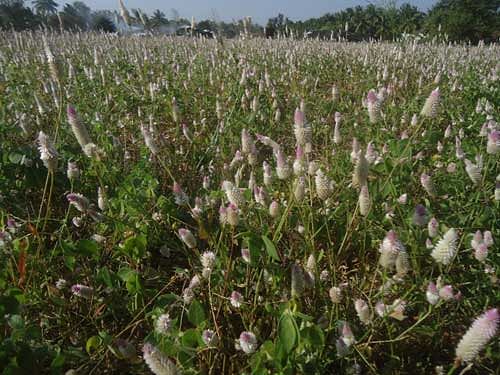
(259, 10)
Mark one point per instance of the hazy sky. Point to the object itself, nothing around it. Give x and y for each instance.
(259, 10)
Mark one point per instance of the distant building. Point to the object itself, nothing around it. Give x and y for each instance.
(186, 30)
(123, 28)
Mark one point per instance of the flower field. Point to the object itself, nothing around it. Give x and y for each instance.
(179, 205)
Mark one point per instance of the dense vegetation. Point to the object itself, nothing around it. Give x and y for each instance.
(253, 206)
(457, 20)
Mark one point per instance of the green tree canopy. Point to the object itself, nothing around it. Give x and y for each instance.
(15, 15)
(45, 7)
(470, 20)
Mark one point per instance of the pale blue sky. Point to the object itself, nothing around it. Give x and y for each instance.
(259, 10)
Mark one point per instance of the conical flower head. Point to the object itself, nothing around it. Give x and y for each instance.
(233, 215)
(54, 67)
(223, 215)
(371, 154)
(124, 13)
(81, 203)
(389, 250)
(364, 201)
(210, 338)
(474, 170)
(187, 237)
(299, 165)
(163, 324)
(322, 185)
(282, 169)
(433, 227)
(102, 202)
(373, 106)
(337, 137)
(432, 293)
(493, 145)
(246, 142)
(427, 184)
(158, 362)
(236, 299)
(459, 152)
(420, 215)
(483, 329)
(402, 264)
(233, 194)
(248, 342)
(355, 150)
(180, 197)
(298, 280)
(446, 248)
(299, 117)
(274, 209)
(360, 174)
(335, 93)
(431, 104)
(481, 252)
(300, 189)
(48, 152)
(79, 129)
(335, 294)
(82, 291)
(207, 260)
(73, 172)
(363, 311)
(260, 195)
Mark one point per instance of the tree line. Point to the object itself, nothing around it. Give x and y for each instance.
(456, 20)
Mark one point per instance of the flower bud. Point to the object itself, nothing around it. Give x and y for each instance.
(274, 209)
(187, 237)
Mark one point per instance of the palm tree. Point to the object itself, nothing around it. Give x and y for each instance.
(158, 18)
(410, 18)
(45, 7)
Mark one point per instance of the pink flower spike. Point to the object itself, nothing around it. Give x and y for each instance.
(482, 330)
(299, 153)
(299, 117)
(372, 97)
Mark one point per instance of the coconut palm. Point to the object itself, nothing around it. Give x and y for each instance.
(45, 7)
(158, 18)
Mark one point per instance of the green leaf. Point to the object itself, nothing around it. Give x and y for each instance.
(93, 344)
(105, 277)
(191, 338)
(132, 280)
(88, 248)
(106, 337)
(196, 314)
(15, 158)
(313, 336)
(8, 305)
(58, 361)
(126, 274)
(70, 261)
(304, 317)
(287, 332)
(16, 322)
(255, 247)
(270, 248)
(165, 300)
(134, 286)
(135, 247)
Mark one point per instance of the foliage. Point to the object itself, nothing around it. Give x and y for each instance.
(14, 15)
(103, 23)
(147, 221)
(455, 20)
(468, 20)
